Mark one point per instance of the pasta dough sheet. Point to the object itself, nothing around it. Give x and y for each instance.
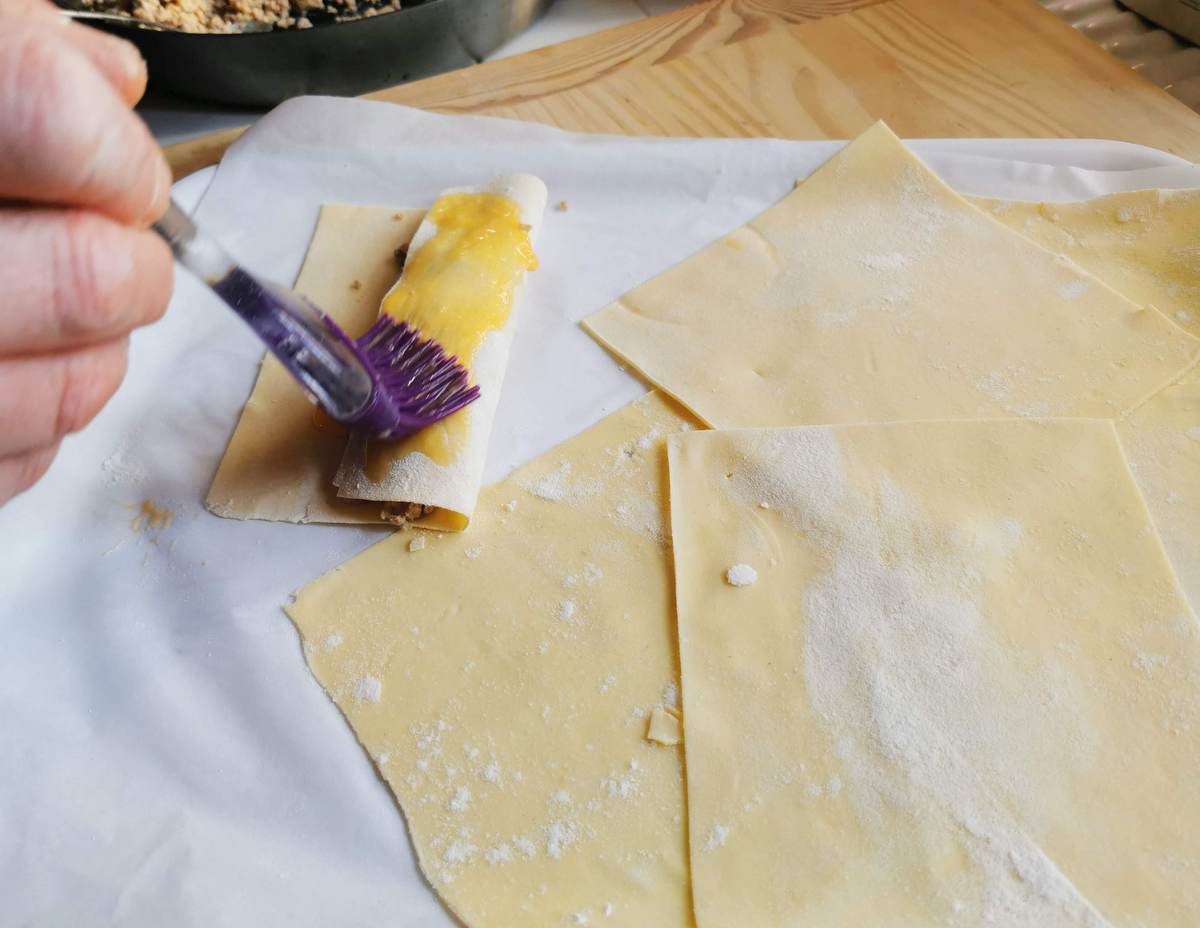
(441, 466)
(875, 293)
(962, 689)
(1162, 441)
(502, 681)
(283, 455)
(1144, 243)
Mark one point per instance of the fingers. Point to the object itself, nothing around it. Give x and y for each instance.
(72, 283)
(71, 278)
(18, 472)
(66, 135)
(44, 397)
(119, 61)
(15, 9)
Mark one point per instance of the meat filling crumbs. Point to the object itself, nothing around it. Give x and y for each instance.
(232, 15)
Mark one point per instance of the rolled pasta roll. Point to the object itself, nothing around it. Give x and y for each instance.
(461, 286)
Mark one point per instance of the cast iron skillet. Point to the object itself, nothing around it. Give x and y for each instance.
(340, 58)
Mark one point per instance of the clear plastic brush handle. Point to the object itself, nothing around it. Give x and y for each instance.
(305, 341)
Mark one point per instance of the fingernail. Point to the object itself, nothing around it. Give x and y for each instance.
(158, 197)
(130, 60)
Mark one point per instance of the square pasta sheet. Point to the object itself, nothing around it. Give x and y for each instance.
(503, 679)
(1143, 243)
(1162, 441)
(875, 293)
(941, 670)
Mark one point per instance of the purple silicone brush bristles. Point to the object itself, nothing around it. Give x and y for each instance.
(416, 382)
(388, 384)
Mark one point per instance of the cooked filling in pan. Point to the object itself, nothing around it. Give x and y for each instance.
(233, 15)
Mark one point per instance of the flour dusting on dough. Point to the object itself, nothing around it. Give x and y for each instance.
(641, 514)
(513, 768)
(866, 663)
(887, 262)
(368, 689)
(717, 836)
(560, 835)
(557, 486)
(1074, 290)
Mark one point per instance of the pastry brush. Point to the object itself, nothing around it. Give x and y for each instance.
(389, 383)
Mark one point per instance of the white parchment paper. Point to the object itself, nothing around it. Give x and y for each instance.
(165, 757)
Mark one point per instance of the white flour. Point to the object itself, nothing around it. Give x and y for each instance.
(560, 835)
(1074, 290)
(557, 486)
(368, 689)
(887, 262)
(741, 575)
(460, 801)
(898, 661)
(121, 466)
(717, 836)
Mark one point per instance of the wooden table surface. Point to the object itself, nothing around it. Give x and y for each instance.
(813, 69)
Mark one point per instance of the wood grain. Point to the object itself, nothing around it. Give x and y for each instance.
(931, 68)
(812, 69)
(195, 154)
(545, 71)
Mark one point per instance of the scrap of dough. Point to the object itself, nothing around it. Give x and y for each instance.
(664, 727)
(1162, 441)
(872, 293)
(1143, 243)
(501, 680)
(283, 455)
(966, 691)
(412, 476)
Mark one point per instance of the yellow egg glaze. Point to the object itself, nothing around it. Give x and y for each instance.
(456, 288)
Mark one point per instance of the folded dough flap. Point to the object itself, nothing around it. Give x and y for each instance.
(461, 286)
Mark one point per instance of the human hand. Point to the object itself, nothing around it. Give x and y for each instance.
(80, 180)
